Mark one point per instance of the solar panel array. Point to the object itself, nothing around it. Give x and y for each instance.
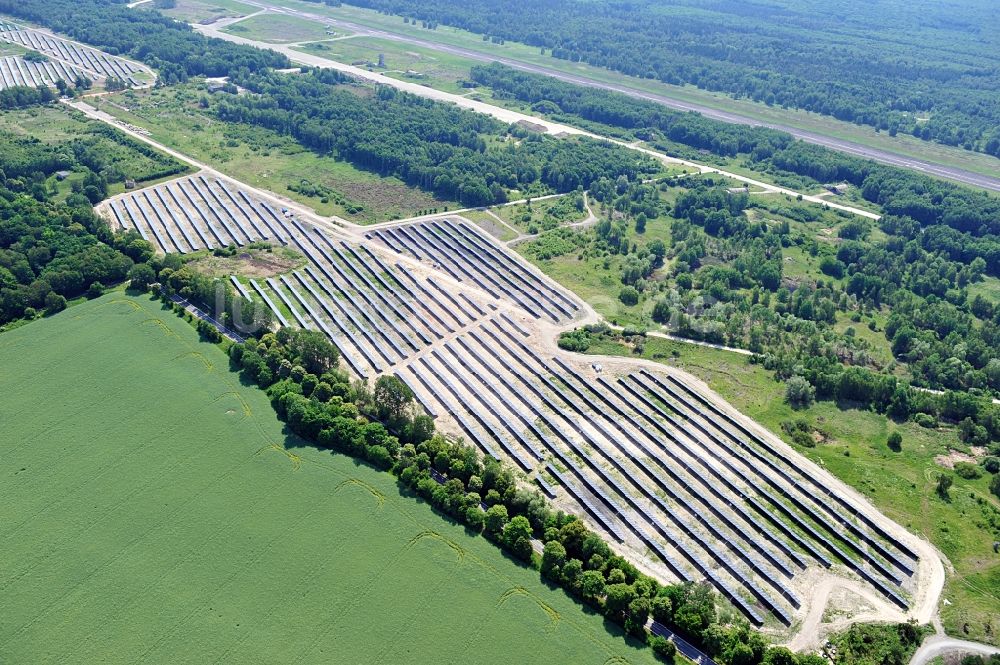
(652, 462)
(378, 315)
(16, 71)
(72, 57)
(649, 468)
(460, 250)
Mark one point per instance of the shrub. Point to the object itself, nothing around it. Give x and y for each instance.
(967, 470)
(54, 302)
(629, 296)
(895, 441)
(944, 484)
(799, 392)
(925, 420)
(663, 648)
(801, 432)
(832, 267)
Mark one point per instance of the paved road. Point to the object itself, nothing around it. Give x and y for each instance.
(857, 149)
(195, 310)
(508, 115)
(938, 645)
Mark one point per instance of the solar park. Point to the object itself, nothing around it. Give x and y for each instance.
(687, 487)
(66, 61)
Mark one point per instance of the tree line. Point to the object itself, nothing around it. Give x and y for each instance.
(454, 153)
(892, 67)
(22, 96)
(173, 48)
(382, 425)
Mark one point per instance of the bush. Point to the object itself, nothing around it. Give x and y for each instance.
(992, 464)
(967, 470)
(895, 441)
(629, 296)
(995, 485)
(832, 267)
(925, 420)
(54, 302)
(944, 484)
(662, 311)
(799, 392)
(663, 648)
(801, 432)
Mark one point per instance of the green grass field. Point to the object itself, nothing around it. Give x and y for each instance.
(206, 11)
(407, 62)
(901, 485)
(11, 49)
(279, 29)
(155, 511)
(488, 223)
(46, 123)
(265, 159)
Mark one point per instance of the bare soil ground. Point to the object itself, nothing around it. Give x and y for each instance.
(252, 263)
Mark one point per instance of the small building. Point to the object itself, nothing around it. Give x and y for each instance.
(838, 189)
(738, 190)
(129, 183)
(62, 175)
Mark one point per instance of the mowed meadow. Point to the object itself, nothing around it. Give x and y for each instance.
(153, 510)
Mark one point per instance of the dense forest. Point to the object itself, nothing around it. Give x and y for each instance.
(922, 68)
(170, 47)
(457, 154)
(49, 250)
(21, 96)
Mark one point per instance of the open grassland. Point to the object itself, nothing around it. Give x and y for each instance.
(50, 124)
(901, 484)
(206, 11)
(596, 279)
(11, 49)
(901, 144)
(280, 29)
(265, 159)
(154, 510)
(408, 62)
(544, 214)
(488, 222)
(249, 264)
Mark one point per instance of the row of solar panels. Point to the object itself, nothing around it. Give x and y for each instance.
(16, 71)
(94, 62)
(465, 255)
(726, 509)
(197, 213)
